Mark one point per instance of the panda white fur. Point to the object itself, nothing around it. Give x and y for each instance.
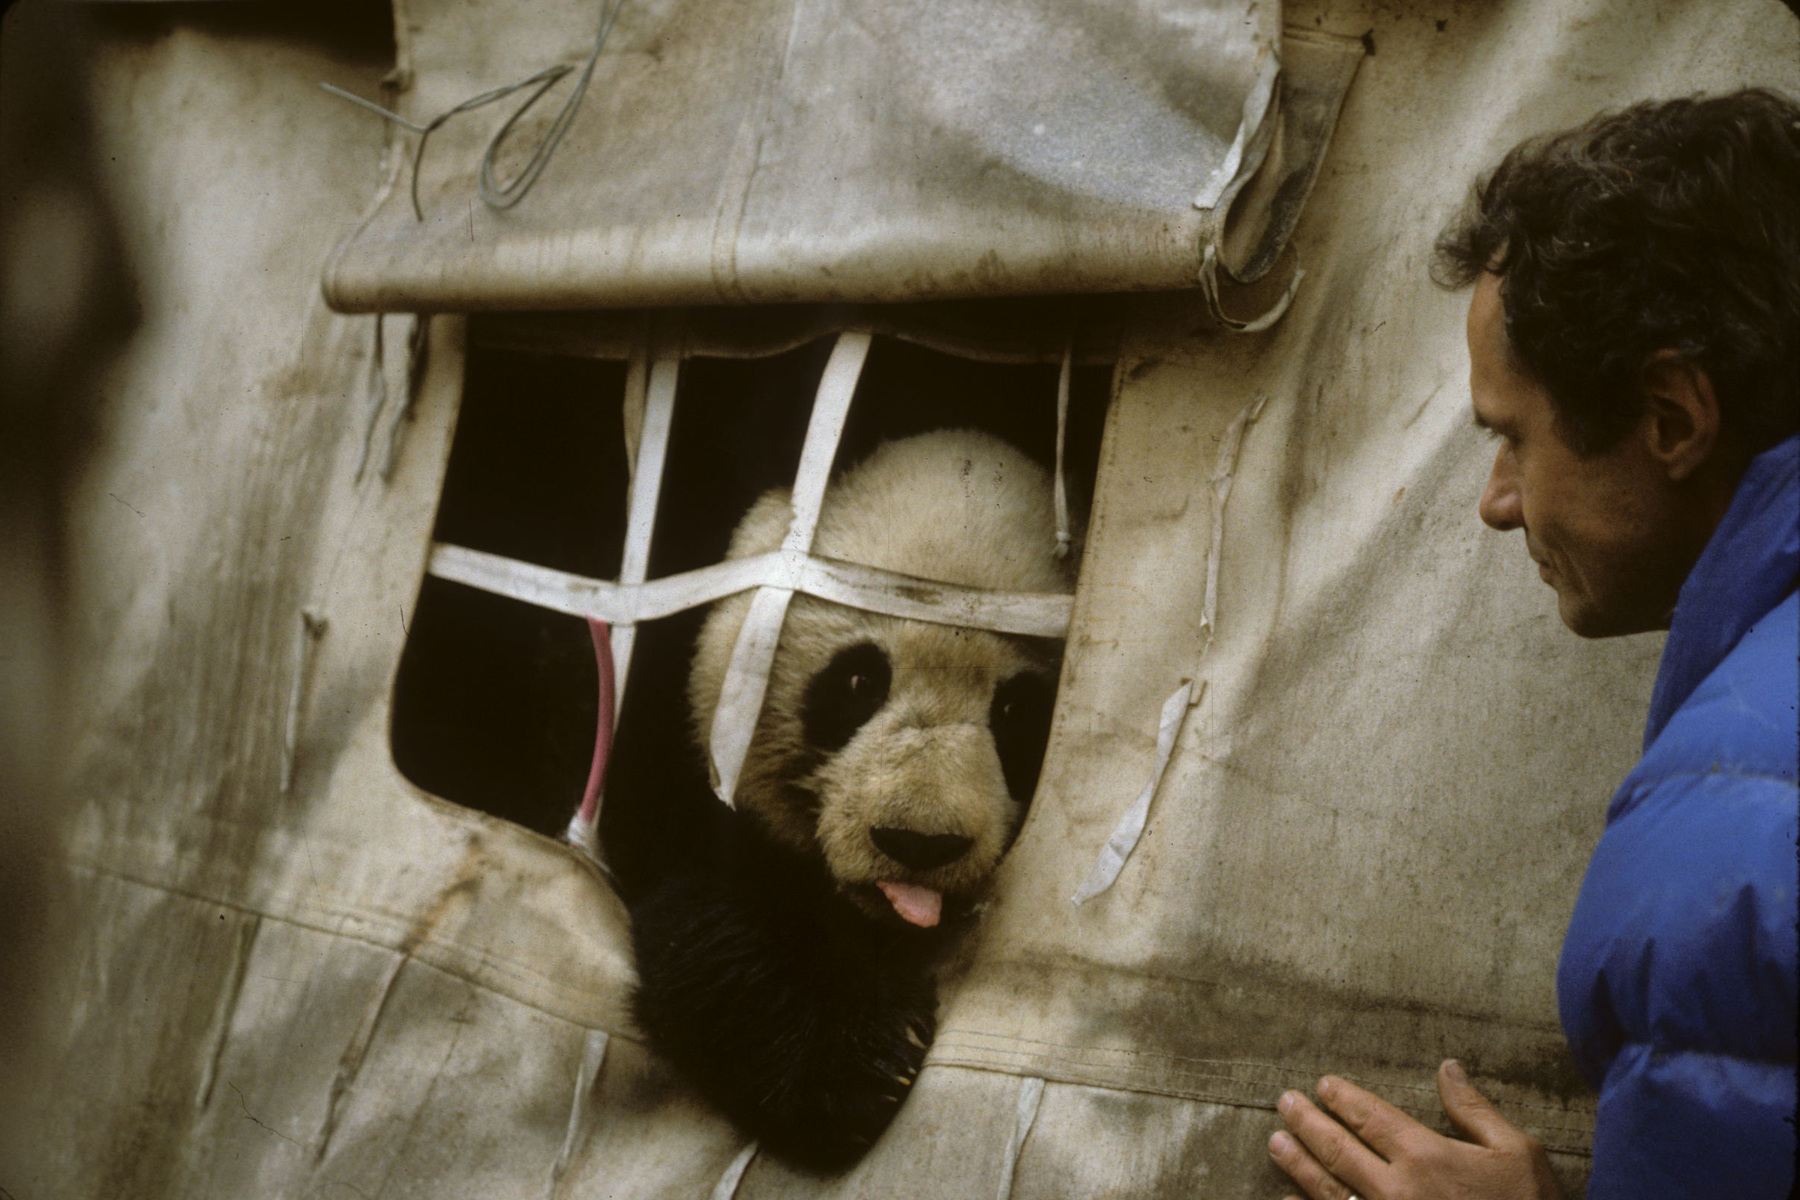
(784, 966)
(874, 723)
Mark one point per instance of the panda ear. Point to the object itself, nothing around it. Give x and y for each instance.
(764, 526)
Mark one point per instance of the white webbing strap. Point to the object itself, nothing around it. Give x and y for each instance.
(746, 682)
(853, 585)
(640, 510)
(747, 678)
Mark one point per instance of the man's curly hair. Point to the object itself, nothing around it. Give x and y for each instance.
(1673, 225)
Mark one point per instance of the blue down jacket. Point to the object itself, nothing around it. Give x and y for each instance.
(1678, 978)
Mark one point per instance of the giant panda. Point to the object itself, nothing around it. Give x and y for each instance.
(785, 948)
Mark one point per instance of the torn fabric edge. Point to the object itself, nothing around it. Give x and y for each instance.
(1031, 1094)
(581, 1108)
(727, 1186)
(871, 589)
(312, 628)
(375, 384)
(355, 1050)
(1224, 467)
(241, 947)
(418, 349)
(1252, 140)
(412, 375)
(747, 677)
(1130, 828)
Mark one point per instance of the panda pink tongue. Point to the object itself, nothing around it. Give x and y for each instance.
(917, 905)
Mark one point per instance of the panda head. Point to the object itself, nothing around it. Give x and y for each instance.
(902, 753)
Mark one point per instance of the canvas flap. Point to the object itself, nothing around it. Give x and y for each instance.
(761, 150)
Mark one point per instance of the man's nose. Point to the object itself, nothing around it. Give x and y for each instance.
(1499, 505)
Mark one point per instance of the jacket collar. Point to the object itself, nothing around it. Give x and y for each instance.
(1748, 567)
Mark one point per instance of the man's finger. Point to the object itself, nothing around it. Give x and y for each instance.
(1305, 1170)
(1385, 1128)
(1469, 1109)
(1349, 1165)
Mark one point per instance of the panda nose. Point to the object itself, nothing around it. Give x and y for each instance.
(920, 851)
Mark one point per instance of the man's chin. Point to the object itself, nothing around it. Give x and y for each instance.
(1588, 620)
(1584, 626)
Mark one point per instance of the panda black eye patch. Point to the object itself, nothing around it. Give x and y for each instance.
(1020, 720)
(841, 698)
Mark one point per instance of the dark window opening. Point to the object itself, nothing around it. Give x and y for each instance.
(495, 705)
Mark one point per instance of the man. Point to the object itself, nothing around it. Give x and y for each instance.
(1634, 346)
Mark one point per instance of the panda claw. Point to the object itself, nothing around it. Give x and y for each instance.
(903, 1081)
(912, 1035)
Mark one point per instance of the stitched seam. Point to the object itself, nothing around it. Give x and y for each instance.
(1580, 1146)
(1072, 1055)
(505, 968)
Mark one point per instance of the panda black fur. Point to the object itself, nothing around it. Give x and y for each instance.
(785, 948)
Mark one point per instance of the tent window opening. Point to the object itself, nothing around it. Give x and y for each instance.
(496, 706)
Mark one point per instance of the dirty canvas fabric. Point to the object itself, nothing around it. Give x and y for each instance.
(868, 150)
(1360, 856)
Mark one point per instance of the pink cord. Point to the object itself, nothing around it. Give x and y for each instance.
(603, 732)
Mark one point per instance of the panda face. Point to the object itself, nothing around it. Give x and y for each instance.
(900, 752)
(854, 686)
(922, 750)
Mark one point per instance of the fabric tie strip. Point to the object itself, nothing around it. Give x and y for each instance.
(1130, 828)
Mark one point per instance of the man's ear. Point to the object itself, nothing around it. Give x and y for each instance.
(1681, 413)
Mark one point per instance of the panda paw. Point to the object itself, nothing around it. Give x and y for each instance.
(809, 1039)
(837, 1105)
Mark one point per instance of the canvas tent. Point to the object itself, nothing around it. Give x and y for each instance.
(275, 966)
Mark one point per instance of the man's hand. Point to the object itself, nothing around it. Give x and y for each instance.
(1383, 1154)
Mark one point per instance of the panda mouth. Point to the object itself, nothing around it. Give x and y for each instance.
(914, 903)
